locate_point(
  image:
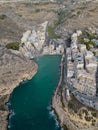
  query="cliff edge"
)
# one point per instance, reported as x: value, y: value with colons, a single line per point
x: 14, y: 69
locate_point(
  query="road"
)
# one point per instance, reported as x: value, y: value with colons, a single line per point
x: 74, y: 90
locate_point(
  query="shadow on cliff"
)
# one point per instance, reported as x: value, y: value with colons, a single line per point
x: 96, y: 77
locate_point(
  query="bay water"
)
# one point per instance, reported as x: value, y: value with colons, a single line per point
x: 30, y: 102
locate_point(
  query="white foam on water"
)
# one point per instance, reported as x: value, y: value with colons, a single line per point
x: 12, y: 114
x: 62, y: 129
x: 9, y: 126
x: 8, y: 104
x: 52, y: 115
x: 56, y: 124
x: 49, y: 107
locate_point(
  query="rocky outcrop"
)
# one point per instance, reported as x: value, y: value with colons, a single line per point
x: 14, y: 69
x: 66, y: 117
x: 61, y: 114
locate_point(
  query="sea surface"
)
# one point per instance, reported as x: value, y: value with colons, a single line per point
x: 30, y: 102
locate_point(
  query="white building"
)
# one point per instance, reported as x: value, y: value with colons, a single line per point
x: 70, y: 72
x: 74, y: 38
x: 88, y: 54
x: 69, y: 58
x: 26, y: 35
x: 68, y: 51
x: 79, y: 64
x: 79, y: 32
x: 91, y: 64
x: 79, y: 61
x: 86, y: 83
x: 82, y: 48
x: 74, y: 45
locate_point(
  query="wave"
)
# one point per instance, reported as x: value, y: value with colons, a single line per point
x: 8, y: 104
x: 52, y: 115
x: 9, y: 126
x: 12, y: 114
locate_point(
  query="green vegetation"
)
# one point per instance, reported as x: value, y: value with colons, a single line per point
x: 89, y: 40
x: 78, y: 12
x: 13, y: 45
x: 85, y: 111
x: 74, y: 104
x: 2, y: 16
x: 20, y: 15
x: 70, y: 104
x: 61, y: 16
x: 37, y: 10
x: 51, y: 28
x: 93, y: 122
x: 94, y: 114
x: 88, y: 35
x: 90, y: 43
x: 91, y: 36
x: 88, y: 118
x: 52, y: 33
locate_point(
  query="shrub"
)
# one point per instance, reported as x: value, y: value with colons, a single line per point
x: 85, y: 111
x: 87, y: 118
x: 91, y: 36
x: 37, y: 10
x: 70, y: 105
x: 94, y: 114
x: 51, y: 29
x: 20, y: 15
x: 88, y: 36
x: 91, y: 43
x: 93, y: 122
x: 78, y: 12
x: 13, y: 45
x: 3, y: 16
x: 51, y: 32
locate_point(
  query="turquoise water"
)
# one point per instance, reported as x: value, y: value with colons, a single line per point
x: 30, y: 102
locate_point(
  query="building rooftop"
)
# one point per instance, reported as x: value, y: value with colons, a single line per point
x: 88, y: 54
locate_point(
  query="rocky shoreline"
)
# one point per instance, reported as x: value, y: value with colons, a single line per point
x: 60, y: 108
x: 63, y: 116
x: 16, y: 70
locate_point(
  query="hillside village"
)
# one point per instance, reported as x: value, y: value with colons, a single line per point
x: 82, y: 71
x: 33, y: 43
x: 81, y: 62
x: 18, y: 25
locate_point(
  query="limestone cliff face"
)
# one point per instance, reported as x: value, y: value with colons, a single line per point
x: 14, y: 69
x: 64, y: 118
x: 62, y: 115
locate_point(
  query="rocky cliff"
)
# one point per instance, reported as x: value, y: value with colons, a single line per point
x: 66, y: 119
x: 14, y: 69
